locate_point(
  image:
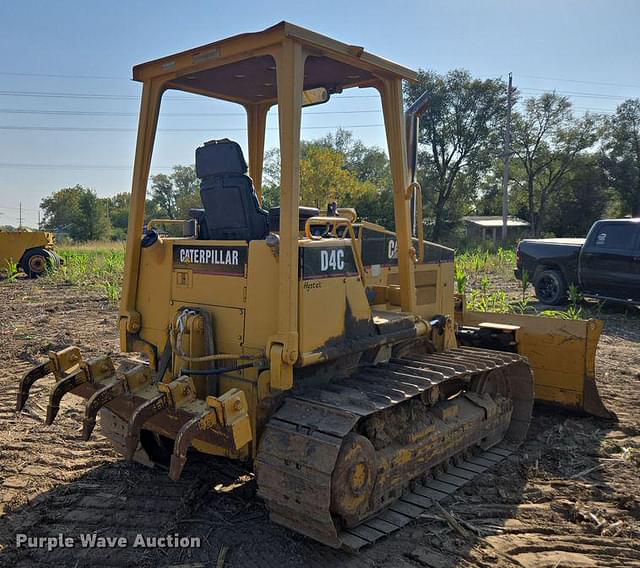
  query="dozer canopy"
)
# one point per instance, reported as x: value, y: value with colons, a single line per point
x: 287, y: 66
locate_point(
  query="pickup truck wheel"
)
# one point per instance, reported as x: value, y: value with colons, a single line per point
x: 551, y: 287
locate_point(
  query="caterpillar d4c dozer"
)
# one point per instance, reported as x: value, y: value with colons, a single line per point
x: 284, y: 339
x: 30, y: 251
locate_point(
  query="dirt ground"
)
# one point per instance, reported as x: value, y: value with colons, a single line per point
x: 571, y: 497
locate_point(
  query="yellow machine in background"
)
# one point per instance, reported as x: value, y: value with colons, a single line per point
x: 31, y: 251
x: 284, y: 338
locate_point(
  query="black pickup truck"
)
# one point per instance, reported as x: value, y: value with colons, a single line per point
x: 604, y: 265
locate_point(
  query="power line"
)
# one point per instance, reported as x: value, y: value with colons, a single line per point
x: 577, y: 93
x: 172, y: 114
x: 25, y: 166
x: 123, y: 78
x: 99, y: 96
x: 580, y: 81
x: 30, y: 166
x: 18, y: 208
x: 60, y: 76
x: 50, y: 94
x: 110, y: 129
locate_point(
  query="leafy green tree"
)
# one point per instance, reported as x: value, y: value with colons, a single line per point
x: 369, y: 163
x: 119, y: 210
x: 78, y: 211
x: 187, y: 188
x: 584, y: 197
x: 337, y: 168
x: 547, y: 142
x: 164, y: 195
x: 324, y: 178
x: 174, y: 194
x: 62, y: 208
x: 488, y: 200
x: 93, y: 223
x: 622, y: 154
x: 459, y: 134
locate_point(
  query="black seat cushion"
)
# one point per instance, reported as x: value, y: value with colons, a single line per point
x: 304, y: 213
x: 231, y: 208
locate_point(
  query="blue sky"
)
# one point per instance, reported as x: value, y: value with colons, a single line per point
x: 587, y: 49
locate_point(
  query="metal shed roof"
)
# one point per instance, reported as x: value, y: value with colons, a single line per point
x: 494, y: 221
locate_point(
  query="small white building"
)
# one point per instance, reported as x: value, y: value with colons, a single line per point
x: 481, y: 228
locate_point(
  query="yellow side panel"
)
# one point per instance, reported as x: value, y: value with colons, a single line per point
x: 434, y: 288
x: 425, y: 295
x: 262, y: 295
x: 154, y: 292
x: 446, y: 299
x: 323, y: 307
x: 208, y: 289
x: 198, y: 286
x: 228, y: 327
x: 154, y: 284
x: 357, y: 299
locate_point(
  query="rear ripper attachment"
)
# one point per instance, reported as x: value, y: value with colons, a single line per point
x: 353, y: 461
x: 132, y: 402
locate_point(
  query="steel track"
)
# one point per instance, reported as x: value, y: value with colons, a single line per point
x: 300, y: 446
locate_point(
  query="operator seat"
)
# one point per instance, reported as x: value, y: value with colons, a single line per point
x: 231, y: 208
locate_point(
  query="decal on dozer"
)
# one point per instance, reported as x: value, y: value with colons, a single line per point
x: 378, y: 248
x: 224, y: 260
x: 327, y: 262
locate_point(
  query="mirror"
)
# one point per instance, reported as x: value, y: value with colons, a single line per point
x: 315, y: 96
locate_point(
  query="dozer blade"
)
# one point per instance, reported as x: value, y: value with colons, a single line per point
x: 561, y: 353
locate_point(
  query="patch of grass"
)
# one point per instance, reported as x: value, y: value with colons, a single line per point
x: 97, y: 265
x: 479, y: 272
x: 9, y: 271
x: 477, y: 260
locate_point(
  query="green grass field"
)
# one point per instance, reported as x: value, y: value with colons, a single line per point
x: 94, y: 264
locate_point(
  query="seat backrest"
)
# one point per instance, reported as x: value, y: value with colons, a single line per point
x: 231, y: 208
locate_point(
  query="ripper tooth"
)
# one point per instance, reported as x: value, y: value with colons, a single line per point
x: 63, y: 387
x: 96, y: 402
x: 182, y: 443
x: 28, y: 380
x: 141, y: 414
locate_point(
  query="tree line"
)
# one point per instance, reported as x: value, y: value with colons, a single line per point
x: 567, y: 170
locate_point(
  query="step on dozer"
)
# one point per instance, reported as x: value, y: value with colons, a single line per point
x: 321, y: 350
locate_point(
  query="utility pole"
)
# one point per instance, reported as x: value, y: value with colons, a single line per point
x: 20, y: 218
x: 39, y: 223
x: 507, y: 161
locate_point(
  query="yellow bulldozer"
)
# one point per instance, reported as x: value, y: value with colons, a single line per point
x: 32, y: 252
x: 330, y: 354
